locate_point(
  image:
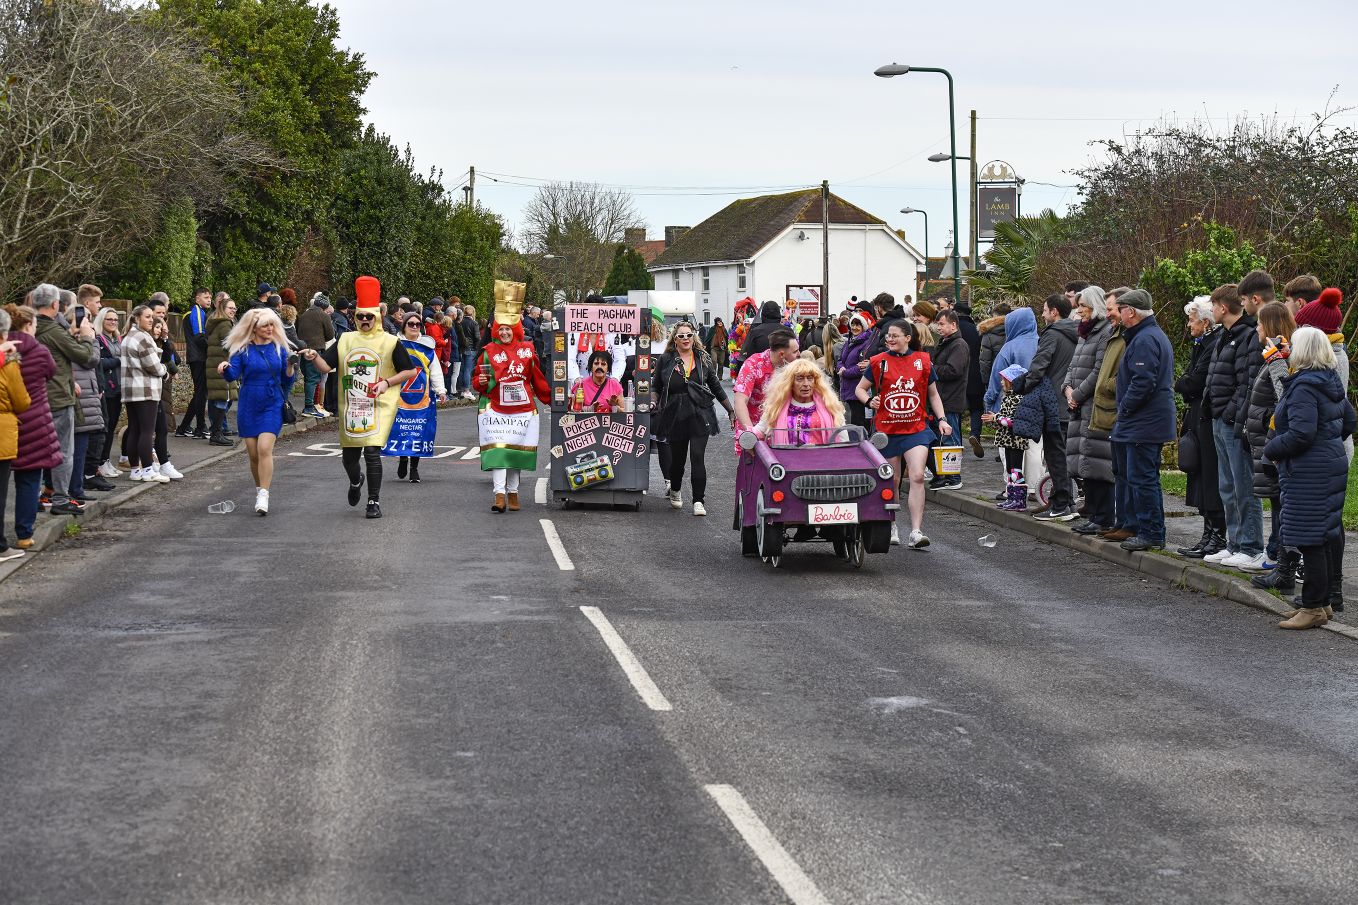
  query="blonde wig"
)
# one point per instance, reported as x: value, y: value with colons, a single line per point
x: 780, y: 391
x: 243, y: 333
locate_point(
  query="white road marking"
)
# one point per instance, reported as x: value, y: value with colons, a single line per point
x: 636, y: 674
x: 540, y: 493
x: 798, y: 886
x: 563, y: 559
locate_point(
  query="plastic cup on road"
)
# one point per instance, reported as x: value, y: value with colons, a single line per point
x: 986, y: 540
x: 222, y: 508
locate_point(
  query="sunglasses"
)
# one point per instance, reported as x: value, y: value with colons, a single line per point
x: 683, y: 336
x: 365, y: 317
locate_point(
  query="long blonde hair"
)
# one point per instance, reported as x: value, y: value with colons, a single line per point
x: 243, y: 333
x: 780, y: 391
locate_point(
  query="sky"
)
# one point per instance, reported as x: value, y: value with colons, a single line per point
x: 692, y: 105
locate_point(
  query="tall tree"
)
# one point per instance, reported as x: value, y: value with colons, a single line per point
x: 109, y: 117
x: 628, y: 272
x: 578, y: 223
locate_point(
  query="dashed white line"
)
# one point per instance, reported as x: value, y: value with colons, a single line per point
x: 798, y: 886
x: 540, y: 492
x: 636, y: 674
x: 563, y: 559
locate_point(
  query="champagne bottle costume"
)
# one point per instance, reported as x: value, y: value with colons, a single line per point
x: 508, y: 418
x: 362, y: 357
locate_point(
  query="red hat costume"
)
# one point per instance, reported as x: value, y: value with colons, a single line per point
x: 368, y: 292
x: 1323, y: 313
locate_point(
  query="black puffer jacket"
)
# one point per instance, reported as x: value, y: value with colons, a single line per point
x: 975, y: 385
x: 1055, y: 350
x: 1263, y: 399
x: 1236, y: 360
x: 757, y: 340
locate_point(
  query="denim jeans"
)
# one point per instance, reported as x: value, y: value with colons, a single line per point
x: 311, y: 378
x: 63, y: 421
x: 27, y: 484
x: 1235, y: 480
x: 80, y: 448
x: 1141, y: 474
x: 464, y: 380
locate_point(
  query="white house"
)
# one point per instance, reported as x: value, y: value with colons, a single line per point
x: 767, y: 247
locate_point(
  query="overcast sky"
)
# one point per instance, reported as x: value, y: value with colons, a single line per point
x: 698, y: 103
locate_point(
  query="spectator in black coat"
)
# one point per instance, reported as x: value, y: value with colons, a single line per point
x: 966, y: 326
x: 887, y: 312
x: 1055, y: 349
x: 1203, y: 493
x: 757, y: 340
x: 952, y: 365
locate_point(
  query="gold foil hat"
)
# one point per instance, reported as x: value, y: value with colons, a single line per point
x: 508, y: 302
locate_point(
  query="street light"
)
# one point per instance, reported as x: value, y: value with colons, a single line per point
x: 911, y: 210
x: 892, y: 70
x: 940, y: 157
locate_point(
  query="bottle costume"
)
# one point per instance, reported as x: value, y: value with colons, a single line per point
x: 508, y: 378
x: 416, y: 421
x: 363, y: 357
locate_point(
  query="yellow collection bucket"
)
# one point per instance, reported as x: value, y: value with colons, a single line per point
x: 947, y: 461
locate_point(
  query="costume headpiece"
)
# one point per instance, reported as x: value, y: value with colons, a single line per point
x: 368, y: 291
x: 508, y: 302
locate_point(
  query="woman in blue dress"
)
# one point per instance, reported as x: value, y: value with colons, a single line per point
x: 258, y: 356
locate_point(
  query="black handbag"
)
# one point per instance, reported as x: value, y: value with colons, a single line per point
x: 1190, y: 455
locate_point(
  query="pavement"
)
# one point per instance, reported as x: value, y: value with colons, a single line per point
x: 984, y: 477
x: 598, y: 706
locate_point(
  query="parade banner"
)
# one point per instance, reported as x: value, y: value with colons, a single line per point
x: 412, y: 433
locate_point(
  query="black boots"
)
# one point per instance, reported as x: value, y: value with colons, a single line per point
x: 401, y: 466
x: 1212, y: 541
x: 414, y: 470
x: 1283, y: 577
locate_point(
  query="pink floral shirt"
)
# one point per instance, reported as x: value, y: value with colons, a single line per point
x: 753, y: 381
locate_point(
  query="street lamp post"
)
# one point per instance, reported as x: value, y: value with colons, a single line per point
x: 894, y: 69
x: 911, y: 210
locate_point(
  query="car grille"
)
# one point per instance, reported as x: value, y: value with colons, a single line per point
x: 832, y: 488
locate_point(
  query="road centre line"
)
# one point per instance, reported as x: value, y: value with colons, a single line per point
x: 636, y: 674
x: 540, y: 492
x: 563, y: 559
x: 789, y: 874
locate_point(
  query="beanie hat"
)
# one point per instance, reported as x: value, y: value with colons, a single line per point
x: 925, y: 309
x: 1139, y: 300
x: 368, y: 291
x: 1323, y: 313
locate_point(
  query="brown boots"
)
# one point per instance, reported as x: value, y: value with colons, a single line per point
x: 501, y: 503
x: 1307, y: 618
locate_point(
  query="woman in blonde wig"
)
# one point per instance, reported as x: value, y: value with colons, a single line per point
x: 257, y: 355
x: 800, y: 405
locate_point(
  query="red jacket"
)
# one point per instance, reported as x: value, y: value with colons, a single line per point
x: 517, y: 361
x: 38, y: 444
x: 436, y: 332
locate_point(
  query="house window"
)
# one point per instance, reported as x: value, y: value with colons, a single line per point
x: 707, y: 282
x: 675, y: 273
x: 740, y: 276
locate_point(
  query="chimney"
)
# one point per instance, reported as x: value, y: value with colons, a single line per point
x: 634, y: 236
x: 672, y: 234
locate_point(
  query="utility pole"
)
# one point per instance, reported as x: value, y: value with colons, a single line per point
x: 471, y: 185
x: 975, y: 242
x: 825, y: 247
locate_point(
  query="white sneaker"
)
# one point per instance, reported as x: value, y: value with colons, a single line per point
x: 699, y: 509
x: 11, y: 553
x: 675, y: 498
x: 152, y: 475
x: 918, y: 541
x: 1245, y: 562
x: 895, y: 536
x: 169, y: 471
x: 108, y: 471
x: 1218, y: 558
x: 261, y: 501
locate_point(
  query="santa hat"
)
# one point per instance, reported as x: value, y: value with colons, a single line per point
x: 368, y: 291
x: 863, y: 319
x: 1323, y: 313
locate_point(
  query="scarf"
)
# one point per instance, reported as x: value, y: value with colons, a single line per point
x: 799, y: 421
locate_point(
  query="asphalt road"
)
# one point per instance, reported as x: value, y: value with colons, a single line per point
x: 316, y: 708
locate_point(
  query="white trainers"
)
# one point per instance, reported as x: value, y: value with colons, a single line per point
x: 1245, y: 562
x: 150, y: 475
x: 917, y: 540
x: 675, y: 498
x: 895, y: 536
x: 699, y: 509
x: 1218, y: 557
x: 169, y: 471
x: 108, y: 471
x: 261, y: 501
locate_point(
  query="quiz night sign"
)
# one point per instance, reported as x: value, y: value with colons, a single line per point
x: 602, y: 319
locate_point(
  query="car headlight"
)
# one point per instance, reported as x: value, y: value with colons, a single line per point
x: 885, y: 471
x: 777, y: 472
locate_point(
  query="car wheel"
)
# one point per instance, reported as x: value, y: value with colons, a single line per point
x: 857, y: 547
x: 749, y: 538
x: 770, y: 534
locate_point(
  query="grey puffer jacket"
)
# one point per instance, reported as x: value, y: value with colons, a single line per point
x: 89, y: 406
x: 1089, y: 453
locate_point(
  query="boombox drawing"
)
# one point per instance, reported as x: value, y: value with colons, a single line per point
x: 589, y: 468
